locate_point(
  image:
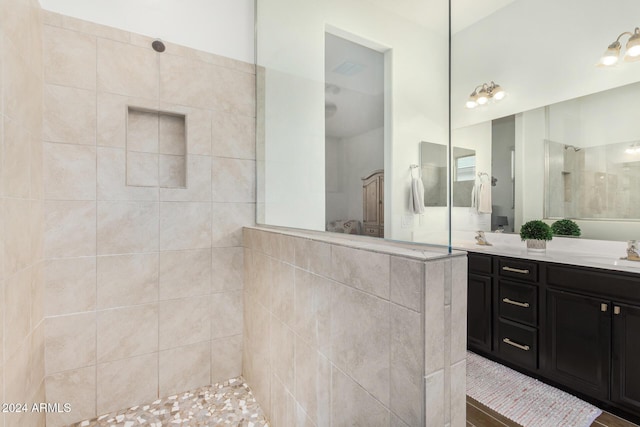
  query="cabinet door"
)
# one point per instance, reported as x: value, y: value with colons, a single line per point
x: 579, y: 334
x: 479, y: 313
x: 625, y: 381
x: 370, y: 201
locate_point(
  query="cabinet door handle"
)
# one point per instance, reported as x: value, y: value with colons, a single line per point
x: 515, y: 270
x: 519, y: 304
x: 604, y: 307
x: 515, y: 344
x: 616, y: 309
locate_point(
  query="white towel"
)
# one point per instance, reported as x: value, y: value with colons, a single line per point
x: 484, y: 198
x: 417, y: 196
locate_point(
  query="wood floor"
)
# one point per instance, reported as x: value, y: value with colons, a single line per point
x: 479, y: 415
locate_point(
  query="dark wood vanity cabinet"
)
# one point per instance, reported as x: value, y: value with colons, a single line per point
x: 574, y: 327
x: 479, y: 293
x: 579, y: 336
x: 625, y: 378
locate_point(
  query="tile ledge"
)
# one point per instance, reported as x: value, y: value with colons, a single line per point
x: 398, y: 248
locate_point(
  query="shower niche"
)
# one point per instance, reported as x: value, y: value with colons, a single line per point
x: 156, y: 149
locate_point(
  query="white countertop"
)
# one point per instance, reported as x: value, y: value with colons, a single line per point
x: 572, y: 251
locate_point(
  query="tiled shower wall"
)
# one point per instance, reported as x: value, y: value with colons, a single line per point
x: 143, y: 284
x: 21, y: 318
x: 340, y: 332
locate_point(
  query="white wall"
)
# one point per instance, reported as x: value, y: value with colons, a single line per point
x: 223, y: 27
x: 291, y: 35
x: 541, y: 52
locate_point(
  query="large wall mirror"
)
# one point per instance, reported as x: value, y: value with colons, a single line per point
x: 562, y: 142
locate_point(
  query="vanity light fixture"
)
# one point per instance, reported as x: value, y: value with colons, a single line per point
x: 632, y: 53
x: 483, y: 93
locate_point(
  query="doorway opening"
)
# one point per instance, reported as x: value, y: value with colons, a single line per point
x: 354, y: 137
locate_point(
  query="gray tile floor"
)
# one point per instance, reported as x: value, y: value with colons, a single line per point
x: 224, y: 404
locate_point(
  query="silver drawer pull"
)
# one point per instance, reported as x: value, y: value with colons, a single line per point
x: 515, y: 344
x: 515, y: 270
x: 519, y: 304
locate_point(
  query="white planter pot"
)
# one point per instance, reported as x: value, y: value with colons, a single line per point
x: 534, y: 245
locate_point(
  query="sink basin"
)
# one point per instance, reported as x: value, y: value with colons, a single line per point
x: 610, y: 261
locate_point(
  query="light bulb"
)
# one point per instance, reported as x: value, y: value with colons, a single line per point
x: 611, y: 55
x: 483, y: 97
x: 637, y: 150
x: 630, y: 150
x: 499, y: 94
x: 633, y: 47
x: 471, y: 103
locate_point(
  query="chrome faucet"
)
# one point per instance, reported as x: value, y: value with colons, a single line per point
x: 481, y: 239
x: 632, y: 251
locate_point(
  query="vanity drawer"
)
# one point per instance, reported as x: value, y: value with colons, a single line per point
x: 518, y: 269
x: 518, y: 344
x: 519, y: 302
x: 480, y: 263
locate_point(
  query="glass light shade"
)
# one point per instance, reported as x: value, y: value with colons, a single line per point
x: 611, y: 55
x: 630, y: 150
x: 633, y: 48
x: 498, y: 93
x: 637, y: 150
x: 471, y: 103
x: 483, y: 97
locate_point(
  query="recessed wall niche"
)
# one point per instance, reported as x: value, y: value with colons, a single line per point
x: 156, y: 149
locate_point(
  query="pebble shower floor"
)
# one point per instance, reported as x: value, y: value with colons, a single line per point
x: 230, y: 403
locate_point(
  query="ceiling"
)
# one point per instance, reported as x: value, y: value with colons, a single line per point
x: 354, y: 83
x: 432, y: 13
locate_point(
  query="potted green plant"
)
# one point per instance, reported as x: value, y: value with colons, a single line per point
x: 536, y: 233
x: 565, y: 227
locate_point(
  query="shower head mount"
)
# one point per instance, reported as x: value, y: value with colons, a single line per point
x: 158, y: 45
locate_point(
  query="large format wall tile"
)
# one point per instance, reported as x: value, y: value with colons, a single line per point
x: 69, y: 229
x: 185, y: 225
x: 127, y: 382
x: 69, y: 172
x: 69, y: 58
x: 313, y: 383
x: 359, y: 357
x: 352, y: 405
x: 69, y: 115
x: 117, y: 339
x: 185, y: 273
x: 233, y: 136
x: 70, y: 342
x: 186, y: 81
x: 360, y: 339
x: 127, y: 70
x: 117, y: 253
x: 125, y: 227
x: 312, y: 310
x: 226, y: 358
x: 69, y: 285
x: 407, y: 360
x: 76, y: 387
x: 226, y: 314
x: 233, y: 180
x: 184, y: 321
x: 185, y: 368
x: 367, y: 271
x: 16, y: 161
